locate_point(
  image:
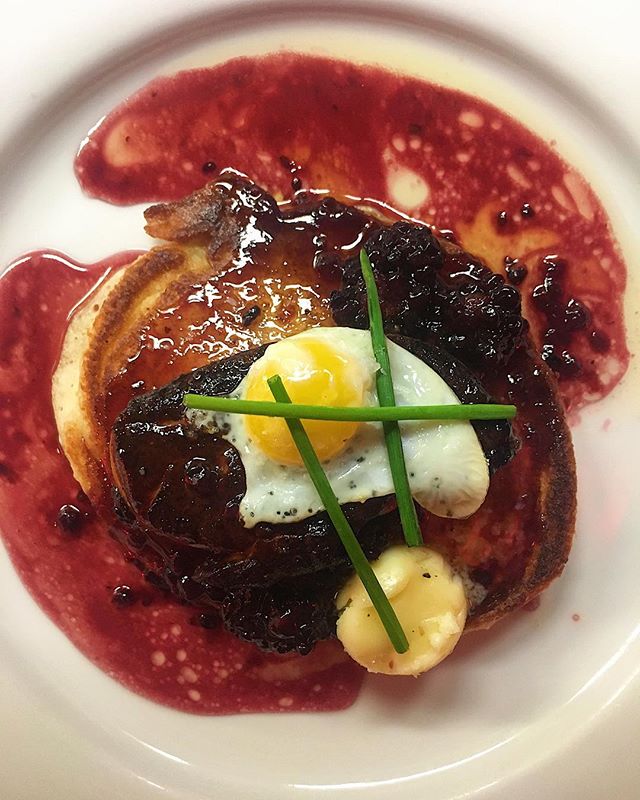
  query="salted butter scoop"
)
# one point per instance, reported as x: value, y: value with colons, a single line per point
x: 428, y: 599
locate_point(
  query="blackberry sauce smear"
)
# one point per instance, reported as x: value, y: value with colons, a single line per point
x: 292, y: 123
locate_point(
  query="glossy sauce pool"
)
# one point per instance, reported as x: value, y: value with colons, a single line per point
x: 289, y: 122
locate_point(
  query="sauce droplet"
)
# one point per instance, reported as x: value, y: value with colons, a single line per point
x: 123, y: 596
x: 70, y: 519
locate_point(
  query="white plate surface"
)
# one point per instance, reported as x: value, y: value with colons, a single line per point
x: 540, y: 704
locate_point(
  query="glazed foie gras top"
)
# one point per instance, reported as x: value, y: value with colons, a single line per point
x: 179, y: 488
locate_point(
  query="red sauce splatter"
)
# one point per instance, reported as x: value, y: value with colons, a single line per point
x: 288, y: 121
x: 77, y: 572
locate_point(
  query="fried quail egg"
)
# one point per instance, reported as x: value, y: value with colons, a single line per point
x: 447, y: 468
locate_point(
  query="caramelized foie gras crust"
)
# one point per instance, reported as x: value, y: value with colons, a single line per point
x: 512, y: 547
x: 183, y: 485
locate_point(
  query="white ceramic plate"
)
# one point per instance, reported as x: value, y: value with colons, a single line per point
x: 540, y: 704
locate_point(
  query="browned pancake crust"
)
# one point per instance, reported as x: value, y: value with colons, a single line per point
x: 556, y: 489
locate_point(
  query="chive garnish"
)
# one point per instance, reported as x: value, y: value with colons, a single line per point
x: 386, y: 397
x: 266, y: 408
x: 332, y: 506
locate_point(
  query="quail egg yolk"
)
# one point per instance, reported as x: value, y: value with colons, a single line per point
x: 315, y: 373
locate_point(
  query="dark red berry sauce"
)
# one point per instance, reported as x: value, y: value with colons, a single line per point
x: 290, y: 122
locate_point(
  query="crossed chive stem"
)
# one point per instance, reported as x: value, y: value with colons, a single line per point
x: 267, y: 408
